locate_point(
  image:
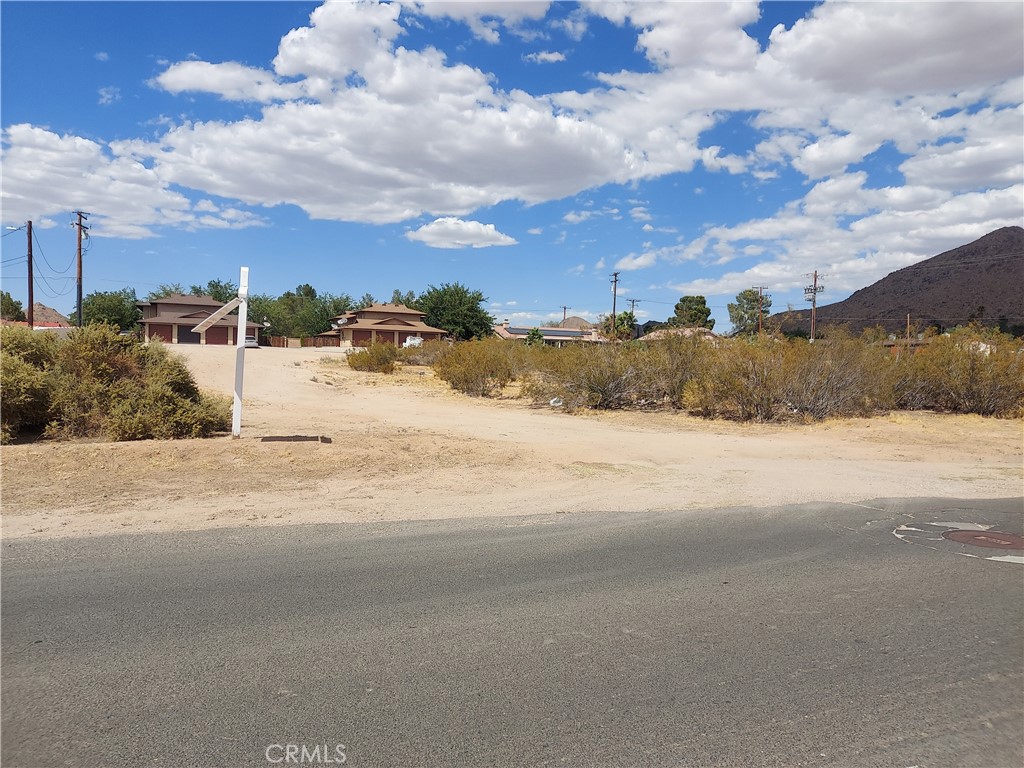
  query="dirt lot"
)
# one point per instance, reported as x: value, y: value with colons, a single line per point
x: 405, y: 447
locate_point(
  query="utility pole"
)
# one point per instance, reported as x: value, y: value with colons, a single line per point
x: 760, y: 304
x: 80, y: 228
x: 31, y: 299
x: 811, y: 294
x: 564, y: 310
x: 908, y: 330
x: 632, y: 311
x: 615, y: 293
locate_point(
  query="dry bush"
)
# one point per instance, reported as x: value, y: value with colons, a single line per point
x: 97, y: 384
x: 425, y: 354
x: 743, y: 380
x: 481, y: 368
x: 609, y: 376
x: 376, y: 358
x: 671, y: 363
x: 966, y: 371
x: 836, y: 376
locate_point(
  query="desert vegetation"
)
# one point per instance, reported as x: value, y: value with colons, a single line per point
x: 762, y: 378
x: 98, y: 384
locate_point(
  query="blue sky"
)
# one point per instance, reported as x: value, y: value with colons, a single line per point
x: 525, y: 149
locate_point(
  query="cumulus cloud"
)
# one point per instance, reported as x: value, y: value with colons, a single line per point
x: 636, y: 261
x: 101, y: 56
x: 354, y: 126
x: 544, y: 57
x: 449, y: 232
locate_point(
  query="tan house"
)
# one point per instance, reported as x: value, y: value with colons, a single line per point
x: 172, y: 318
x: 382, y: 324
x: 554, y: 336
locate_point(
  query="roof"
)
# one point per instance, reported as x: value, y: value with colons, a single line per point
x: 389, y: 309
x: 181, y: 298
x: 547, y: 332
x: 192, y: 319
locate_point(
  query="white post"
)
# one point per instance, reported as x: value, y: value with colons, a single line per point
x: 243, y: 316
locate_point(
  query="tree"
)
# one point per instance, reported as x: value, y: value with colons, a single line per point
x: 534, y: 338
x: 692, y: 311
x: 10, y: 307
x: 112, y: 307
x: 164, y: 290
x: 221, y: 290
x: 408, y: 298
x: 624, y: 328
x: 299, y: 313
x: 456, y: 309
x: 749, y: 307
x: 365, y: 301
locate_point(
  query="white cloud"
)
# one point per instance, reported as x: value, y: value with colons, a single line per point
x: 486, y: 17
x: 634, y: 261
x: 449, y: 232
x: 46, y: 174
x: 109, y: 95
x: 640, y: 213
x: 101, y: 56
x: 535, y: 231
x: 544, y: 57
x: 229, y: 80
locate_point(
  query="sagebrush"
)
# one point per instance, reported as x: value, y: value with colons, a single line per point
x: 765, y: 378
x: 98, y: 384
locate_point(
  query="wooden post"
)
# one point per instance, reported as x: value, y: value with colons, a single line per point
x: 243, y: 316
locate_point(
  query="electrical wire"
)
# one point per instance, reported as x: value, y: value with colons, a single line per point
x: 39, y: 247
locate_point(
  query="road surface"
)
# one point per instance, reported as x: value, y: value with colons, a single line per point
x: 796, y: 636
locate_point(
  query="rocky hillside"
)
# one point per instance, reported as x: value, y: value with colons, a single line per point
x: 983, y: 280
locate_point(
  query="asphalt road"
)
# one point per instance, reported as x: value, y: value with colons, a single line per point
x: 792, y: 636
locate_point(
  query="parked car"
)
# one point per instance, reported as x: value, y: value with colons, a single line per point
x: 251, y: 342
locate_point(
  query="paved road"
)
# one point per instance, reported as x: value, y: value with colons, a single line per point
x: 796, y: 636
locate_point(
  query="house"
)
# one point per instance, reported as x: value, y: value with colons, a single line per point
x: 172, y: 318
x: 554, y: 336
x: 382, y: 324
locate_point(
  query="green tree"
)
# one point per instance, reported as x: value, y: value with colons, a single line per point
x: 456, y: 309
x: 10, y: 307
x: 164, y: 290
x: 221, y: 290
x: 534, y: 338
x: 749, y: 307
x: 299, y: 313
x: 112, y: 307
x: 408, y: 298
x: 692, y: 311
x: 366, y: 300
x: 623, y: 329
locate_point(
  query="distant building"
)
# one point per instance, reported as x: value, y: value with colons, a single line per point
x: 382, y: 323
x: 552, y: 335
x: 172, y: 318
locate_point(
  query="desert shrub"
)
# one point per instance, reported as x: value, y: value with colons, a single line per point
x: 604, y: 377
x: 673, y: 362
x: 25, y: 401
x: 836, y: 376
x: 376, y: 358
x: 97, y: 384
x: 425, y: 354
x: 743, y: 381
x: 36, y: 348
x: 482, y: 368
x: 967, y: 371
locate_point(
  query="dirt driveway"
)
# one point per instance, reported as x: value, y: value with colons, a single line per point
x: 405, y: 447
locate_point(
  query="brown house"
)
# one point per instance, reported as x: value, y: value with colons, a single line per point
x: 382, y: 323
x: 172, y: 318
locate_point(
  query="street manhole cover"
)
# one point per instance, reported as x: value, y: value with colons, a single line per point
x: 965, y: 538
x: 990, y: 539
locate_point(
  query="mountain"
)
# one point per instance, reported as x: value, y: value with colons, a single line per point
x: 983, y: 280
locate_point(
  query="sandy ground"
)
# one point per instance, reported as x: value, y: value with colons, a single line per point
x: 406, y: 447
